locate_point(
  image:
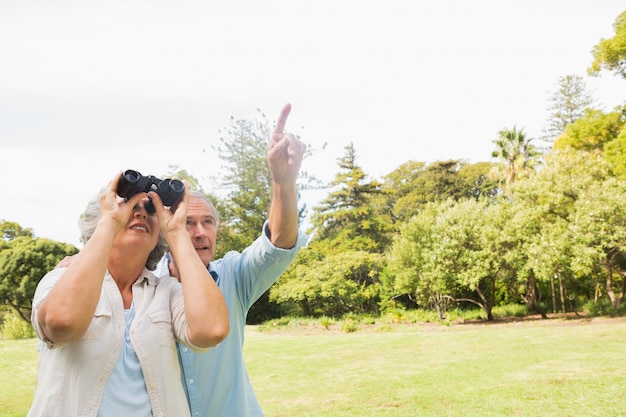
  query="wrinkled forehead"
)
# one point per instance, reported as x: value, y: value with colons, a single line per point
x: 199, y: 208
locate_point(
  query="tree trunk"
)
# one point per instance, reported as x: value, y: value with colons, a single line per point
x: 562, y: 292
x: 553, y: 293
x: 532, y: 297
x: 609, y: 285
x: 487, y: 306
x: 623, y: 290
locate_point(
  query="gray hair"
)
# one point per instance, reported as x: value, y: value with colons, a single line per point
x: 202, y: 196
x: 89, y: 220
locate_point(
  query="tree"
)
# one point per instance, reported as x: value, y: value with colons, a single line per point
x: 441, y: 181
x: 347, y: 217
x: 615, y: 153
x: 545, y: 212
x: 569, y: 102
x: 23, y: 262
x: 183, y: 175
x: 340, y: 269
x: 332, y: 284
x: 451, y: 249
x: 246, y: 176
x: 414, y: 184
x: 610, y: 53
x: 11, y: 230
x: 516, y: 154
x: 399, y: 199
x: 414, y: 259
x: 477, y: 183
x: 599, y: 228
x: 591, y: 132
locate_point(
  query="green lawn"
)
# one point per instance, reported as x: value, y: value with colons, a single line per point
x: 552, y: 368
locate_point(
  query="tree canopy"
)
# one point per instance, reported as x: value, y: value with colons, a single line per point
x: 610, y: 54
x: 23, y: 263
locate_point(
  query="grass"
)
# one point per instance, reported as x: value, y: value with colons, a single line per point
x: 544, y: 368
x: 18, y: 368
x: 554, y: 368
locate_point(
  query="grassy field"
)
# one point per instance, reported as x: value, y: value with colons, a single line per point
x: 549, y: 368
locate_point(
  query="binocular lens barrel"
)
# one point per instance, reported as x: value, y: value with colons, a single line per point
x: 131, y: 176
x: 132, y: 182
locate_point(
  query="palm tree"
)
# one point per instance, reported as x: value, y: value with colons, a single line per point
x: 515, y: 153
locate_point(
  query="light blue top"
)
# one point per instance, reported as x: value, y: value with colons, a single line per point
x: 216, y: 382
x: 125, y: 393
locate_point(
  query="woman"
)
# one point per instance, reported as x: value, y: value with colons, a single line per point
x: 108, y: 326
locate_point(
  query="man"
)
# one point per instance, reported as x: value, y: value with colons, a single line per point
x: 217, y: 382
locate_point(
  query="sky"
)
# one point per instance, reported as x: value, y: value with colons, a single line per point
x: 89, y: 89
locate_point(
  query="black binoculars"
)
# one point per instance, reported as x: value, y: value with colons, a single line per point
x: 132, y: 182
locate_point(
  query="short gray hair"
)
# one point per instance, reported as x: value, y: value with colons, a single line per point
x: 89, y: 220
x: 202, y: 196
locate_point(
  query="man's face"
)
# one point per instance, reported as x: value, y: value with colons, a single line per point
x: 201, y: 228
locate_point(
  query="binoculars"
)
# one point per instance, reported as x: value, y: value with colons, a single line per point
x: 132, y: 182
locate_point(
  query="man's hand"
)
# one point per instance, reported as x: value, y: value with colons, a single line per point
x: 65, y: 262
x: 285, y: 151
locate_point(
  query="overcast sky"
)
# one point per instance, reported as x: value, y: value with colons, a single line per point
x: 88, y: 89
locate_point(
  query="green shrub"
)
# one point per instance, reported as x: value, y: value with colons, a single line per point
x: 15, y: 327
x: 604, y: 307
x: 326, y: 322
x: 510, y: 310
x: 349, y: 326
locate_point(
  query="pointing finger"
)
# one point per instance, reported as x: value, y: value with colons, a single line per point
x: 282, y: 119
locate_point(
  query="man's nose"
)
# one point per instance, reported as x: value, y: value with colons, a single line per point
x: 198, y: 230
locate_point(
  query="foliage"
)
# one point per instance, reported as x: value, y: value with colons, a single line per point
x: 451, y: 249
x: 610, y: 53
x: 346, y: 219
x: 615, y: 153
x: 14, y: 327
x: 22, y: 265
x: 246, y: 175
x: 183, y: 175
x: 11, y: 230
x: 568, y: 104
x: 477, y: 182
x: 415, y: 184
x: 516, y: 154
x: 603, y: 306
x: 599, y: 230
x: 591, y: 132
x: 331, y: 284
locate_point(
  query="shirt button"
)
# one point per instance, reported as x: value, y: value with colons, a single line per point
x: 191, y: 381
x: 185, y: 349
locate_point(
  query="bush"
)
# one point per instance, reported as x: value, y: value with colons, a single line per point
x: 604, y: 307
x: 15, y: 327
x: 510, y: 310
x: 349, y: 326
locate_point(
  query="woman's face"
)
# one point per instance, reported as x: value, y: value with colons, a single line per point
x: 142, y: 228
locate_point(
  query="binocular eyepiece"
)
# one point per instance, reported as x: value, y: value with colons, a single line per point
x: 132, y: 182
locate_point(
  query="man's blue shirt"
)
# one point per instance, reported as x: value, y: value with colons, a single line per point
x: 217, y: 382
